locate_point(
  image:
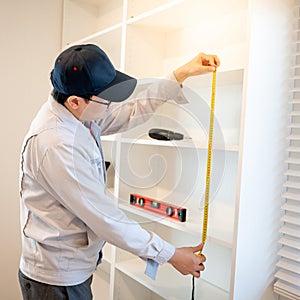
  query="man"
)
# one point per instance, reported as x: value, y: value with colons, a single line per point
x: 66, y: 217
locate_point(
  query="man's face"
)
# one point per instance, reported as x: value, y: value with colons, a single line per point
x: 95, y: 109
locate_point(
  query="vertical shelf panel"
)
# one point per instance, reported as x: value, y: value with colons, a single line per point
x: 109, y: 152
x: 100, y: 285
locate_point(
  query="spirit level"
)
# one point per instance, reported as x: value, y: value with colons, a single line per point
x: 169, y: 210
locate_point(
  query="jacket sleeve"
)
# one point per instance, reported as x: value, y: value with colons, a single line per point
x: 73, y: 184
x: 147, y: 97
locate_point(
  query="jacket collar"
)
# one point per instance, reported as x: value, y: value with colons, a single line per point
x: 51, y: 115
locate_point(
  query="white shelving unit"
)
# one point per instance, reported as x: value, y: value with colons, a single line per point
x: 149, y: 39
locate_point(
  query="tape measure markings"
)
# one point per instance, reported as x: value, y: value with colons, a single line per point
x: 208, y: 169
x: 209, y: 158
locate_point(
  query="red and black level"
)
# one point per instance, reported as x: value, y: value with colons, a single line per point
x: 163, y: 208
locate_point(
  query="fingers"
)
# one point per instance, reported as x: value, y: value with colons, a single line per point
x: 196, y: 274
x: 197, y: 248
x: 187, y: 261
x: 199, y: 260
x: 217, y: 61
x: 206, y: 69
x: 201, y: 64
x: 199, y: 268
x: 210, y: 60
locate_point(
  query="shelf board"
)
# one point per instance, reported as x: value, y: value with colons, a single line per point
x: 109, y: 138
x: 170, y: 284
x: 97, y: 34
x: 218, y: 234
x: 224, y: 77
x: 186, y: 143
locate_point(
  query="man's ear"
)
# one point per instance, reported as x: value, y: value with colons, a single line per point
x: 73, y: 102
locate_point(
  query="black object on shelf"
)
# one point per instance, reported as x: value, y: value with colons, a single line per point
x: 164, y: 134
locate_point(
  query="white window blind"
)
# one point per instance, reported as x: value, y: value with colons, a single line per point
x: 287, y: 276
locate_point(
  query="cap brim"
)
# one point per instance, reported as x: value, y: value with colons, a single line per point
x: 119, y: 89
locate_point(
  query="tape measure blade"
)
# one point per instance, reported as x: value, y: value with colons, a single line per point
x: 209, y: 158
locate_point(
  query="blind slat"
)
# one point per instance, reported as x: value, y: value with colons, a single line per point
x: 288, y: 276
x: 294, y: 136
x: 289, y: 253
x: 291, y: 220
x: 290, y: 230
x: 291, y: 196
x: 289, y: 265
x: 295, y: 161
x: 294, y: 125
x: 290, y: 207
x: 295, y: 113
x: 288, y: 290
x: 290, y: 241
x: 293, y: 149
x: 292, y: 184
x: 293, y: 173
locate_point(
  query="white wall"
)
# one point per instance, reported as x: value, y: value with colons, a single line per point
x: 30, y: 34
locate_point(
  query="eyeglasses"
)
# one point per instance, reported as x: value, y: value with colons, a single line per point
x: 101, y: 102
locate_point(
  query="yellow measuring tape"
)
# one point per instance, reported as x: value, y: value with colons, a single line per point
x: 208, y: 165
x: 209, y: 156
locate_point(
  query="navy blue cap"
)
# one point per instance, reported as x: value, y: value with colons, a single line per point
x: 87, y: 70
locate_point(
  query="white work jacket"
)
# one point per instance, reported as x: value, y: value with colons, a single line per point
x: 66, y: 217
